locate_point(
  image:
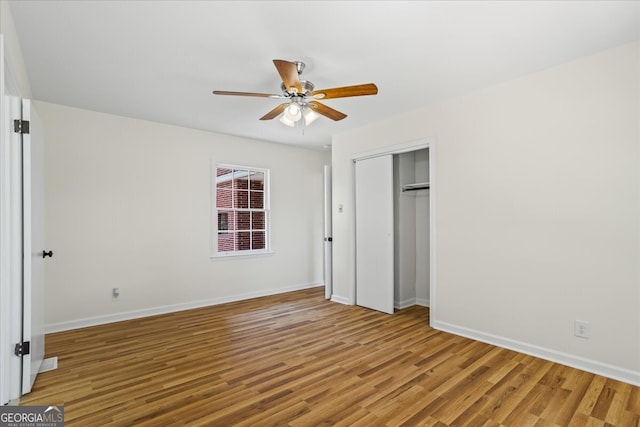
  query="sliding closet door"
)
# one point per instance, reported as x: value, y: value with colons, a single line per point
x: 374, y: 233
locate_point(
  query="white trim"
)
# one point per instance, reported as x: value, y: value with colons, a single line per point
x: 399, y: 305
x: 12, y: 211
x: 146, y: 312
x: 327, y: 244
x: 340, y: 300
x: 5, y: 241
x: 593, y: 366
x: 236, y: 255
x: 423, y: 302
x: 404, y: 147
x: 49, y: 364
x: 433, y: 189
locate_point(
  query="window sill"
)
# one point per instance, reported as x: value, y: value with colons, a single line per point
x: 243, y: 256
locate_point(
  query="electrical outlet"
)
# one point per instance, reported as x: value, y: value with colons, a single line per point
x: 115, y: 294
x: 581, y: 329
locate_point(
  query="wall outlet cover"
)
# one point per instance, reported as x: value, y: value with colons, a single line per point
x: 581, y: 329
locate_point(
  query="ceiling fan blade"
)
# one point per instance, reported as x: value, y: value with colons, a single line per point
x: 327, y: 111
x: 259, y: 95
x: 343, y: 92
x: 289, y: 73
x: 275, y: 112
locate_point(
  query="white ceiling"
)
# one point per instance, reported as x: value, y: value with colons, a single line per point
x: 160, y: 60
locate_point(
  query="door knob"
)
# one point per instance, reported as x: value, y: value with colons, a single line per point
x: 47, y: 254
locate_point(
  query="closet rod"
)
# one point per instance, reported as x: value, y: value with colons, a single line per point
x: 415, y: 187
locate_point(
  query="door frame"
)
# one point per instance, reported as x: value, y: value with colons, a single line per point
x: 5, y: 241
x: 328, y: 233
x: 33, y: 245
x: 430, y: 143
x: 10, y: 233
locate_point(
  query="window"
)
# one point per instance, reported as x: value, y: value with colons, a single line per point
x: 241, y: 210
x: 223, y: 221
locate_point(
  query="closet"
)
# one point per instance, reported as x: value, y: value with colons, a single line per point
x: 411, y: 228
x: 392, y: 209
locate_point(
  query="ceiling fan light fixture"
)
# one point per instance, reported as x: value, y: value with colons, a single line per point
x: 285, y: 121
x: 309, y: 116
x: 293, y: 112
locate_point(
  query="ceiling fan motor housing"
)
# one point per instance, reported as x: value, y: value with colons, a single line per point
x: 307, y: 88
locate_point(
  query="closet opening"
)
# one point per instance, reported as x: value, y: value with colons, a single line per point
x: 394, y: 228
x: 411, y: 228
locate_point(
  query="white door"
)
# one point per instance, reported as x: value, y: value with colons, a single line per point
x: 374, y: 233
x: 10, y: 249
x: 328, y: 239
x: 34, y: 247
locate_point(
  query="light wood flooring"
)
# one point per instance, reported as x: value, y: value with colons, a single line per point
x: 296, y: 359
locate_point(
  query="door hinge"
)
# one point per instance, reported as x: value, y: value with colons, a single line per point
x: 21, y: 126
x: 22, y: 348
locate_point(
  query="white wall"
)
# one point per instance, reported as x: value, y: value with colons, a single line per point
x: 537, y: 210
x: 129, y: 206
x: 13, y: 54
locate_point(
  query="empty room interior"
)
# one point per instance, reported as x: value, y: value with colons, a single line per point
x: 354, y: 213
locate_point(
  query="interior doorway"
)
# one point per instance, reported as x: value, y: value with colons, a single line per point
x: 411, y: 199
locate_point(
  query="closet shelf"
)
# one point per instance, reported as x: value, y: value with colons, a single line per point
x: 415, y: 187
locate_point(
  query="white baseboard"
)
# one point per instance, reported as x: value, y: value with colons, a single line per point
x: 399, y: 305
x: 136, y: 314
x: 341, y: 300
x: 49, y: 364
x: 593, y: 366
x: 411, y: 301
x: 424, y: 302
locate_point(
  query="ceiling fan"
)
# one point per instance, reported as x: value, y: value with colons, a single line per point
x: 302, y: 99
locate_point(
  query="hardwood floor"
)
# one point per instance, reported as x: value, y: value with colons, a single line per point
x: 296, y: 359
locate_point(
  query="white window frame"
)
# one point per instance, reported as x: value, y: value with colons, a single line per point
x: 215, y: 254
